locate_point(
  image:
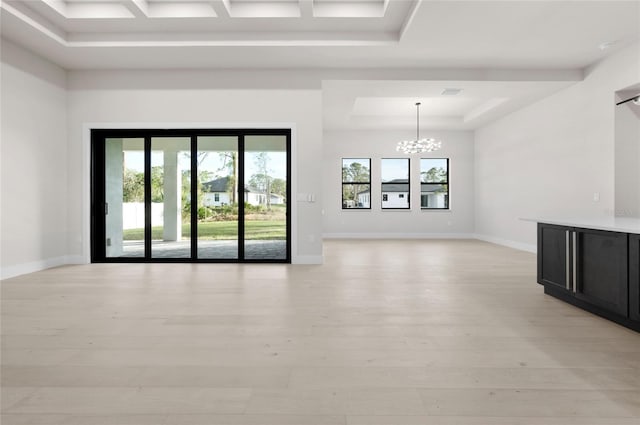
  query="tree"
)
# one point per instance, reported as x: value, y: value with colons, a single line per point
x: 186, y: 195
x: 259, y: 182
x: 262, y: 163
x: 355, y: 173
x: 132, y: 186
x: 434, y: 175
x: 230, y: 165
x: 157, y: 184
x: 279, y: 186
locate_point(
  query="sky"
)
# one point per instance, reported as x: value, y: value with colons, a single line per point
x: 277, y: 162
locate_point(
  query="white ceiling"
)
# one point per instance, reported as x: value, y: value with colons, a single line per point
x: 364, y: 104
x: 531, y: 40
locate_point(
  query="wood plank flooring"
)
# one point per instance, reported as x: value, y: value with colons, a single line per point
x: 389, y: 332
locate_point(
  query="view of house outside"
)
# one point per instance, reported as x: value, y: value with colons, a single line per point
x: 356, y: 183
x: 217, y: 203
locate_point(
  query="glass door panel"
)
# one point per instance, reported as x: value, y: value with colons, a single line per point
x: 124, y: 197
x: 265, y: 197
x: 170, y: 197
x: 217, y: 164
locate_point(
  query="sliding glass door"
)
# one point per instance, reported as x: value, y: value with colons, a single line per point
x: 170, y: 197
x: 218, y: 202
x: 190, y: 195
x: 265, y: 214
x: 123, y: 199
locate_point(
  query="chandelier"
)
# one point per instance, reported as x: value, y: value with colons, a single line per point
x: 418, y: 145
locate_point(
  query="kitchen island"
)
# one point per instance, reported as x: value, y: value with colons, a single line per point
x: 593, y: 264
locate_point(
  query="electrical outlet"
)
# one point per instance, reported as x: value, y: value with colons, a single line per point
x: 108, y: 241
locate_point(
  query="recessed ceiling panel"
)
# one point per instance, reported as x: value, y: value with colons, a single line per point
x: 403, y: 106
x: 171, y: 10
x: 349, y: 8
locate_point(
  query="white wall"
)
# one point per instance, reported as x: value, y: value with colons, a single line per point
x: 33, y: 155
x: 413, y: 223
x: 112, y: 97
x: 550, y: 158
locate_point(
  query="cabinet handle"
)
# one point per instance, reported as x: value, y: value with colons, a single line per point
x: 568, y: 254
x: 575, y: 267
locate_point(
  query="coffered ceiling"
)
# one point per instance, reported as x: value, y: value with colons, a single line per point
x: 374, y: 56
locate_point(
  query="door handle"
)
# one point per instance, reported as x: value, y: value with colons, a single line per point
x: 575, y: 262
x: 568, y: 256
x: 106, y: 208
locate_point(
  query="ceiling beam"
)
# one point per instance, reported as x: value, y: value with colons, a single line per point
x: 385, y: 7
x: 410, y: 16
x: 222, y: 8
x: 306, y: 8
x: 58, y: 6
x: 139, y: 8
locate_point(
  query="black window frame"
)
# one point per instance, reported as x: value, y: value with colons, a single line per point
x: 347, y: 183
x: 447, y: 194
x: 408, y: 207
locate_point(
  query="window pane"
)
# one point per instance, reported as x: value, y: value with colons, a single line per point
x: 434, y: 196
x: 124, y: 196
x: 170, y: 192
x: 356, y: 196
x: 356, y: 170
x: 265, y: 197
x: 395, y: 182
x: 434, y: 170
x: 434, y: 179
x: 217, y: 158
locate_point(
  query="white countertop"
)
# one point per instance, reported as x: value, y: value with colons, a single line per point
x: 613, y: 224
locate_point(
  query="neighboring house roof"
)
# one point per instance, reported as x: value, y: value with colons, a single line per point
x: 431, y: 187
x: 218, y: 185
x: 396, y: 185
x: 221, y: 185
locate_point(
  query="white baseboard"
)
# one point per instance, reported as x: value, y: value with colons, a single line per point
x: 36, y: 266
x: 370, y: 235
x: 77, y: 259
x: 508, y: 243
x: 307, y: 259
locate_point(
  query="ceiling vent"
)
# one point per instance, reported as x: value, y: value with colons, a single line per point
x: 451, y: 92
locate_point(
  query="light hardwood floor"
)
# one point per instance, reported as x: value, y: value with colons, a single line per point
x: 384, y: 333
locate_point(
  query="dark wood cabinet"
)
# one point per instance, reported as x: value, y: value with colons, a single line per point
x: 593, y: 269
x: 601, y: 277
x: 553, y: 255
x: 634, y: 277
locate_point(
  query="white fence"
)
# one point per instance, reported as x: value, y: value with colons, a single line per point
x: 133, y: 215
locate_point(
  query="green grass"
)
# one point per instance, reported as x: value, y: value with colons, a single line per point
x: 220, y: 230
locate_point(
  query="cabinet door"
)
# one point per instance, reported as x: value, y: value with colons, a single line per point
x: 601, y: 269
x: 553, y: 255
x: 634, y: 277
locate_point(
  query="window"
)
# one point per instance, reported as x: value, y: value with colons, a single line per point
x: 434, y: 183
x: 395, y: 183
x: 216, y: 197
x: 356, y: 183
